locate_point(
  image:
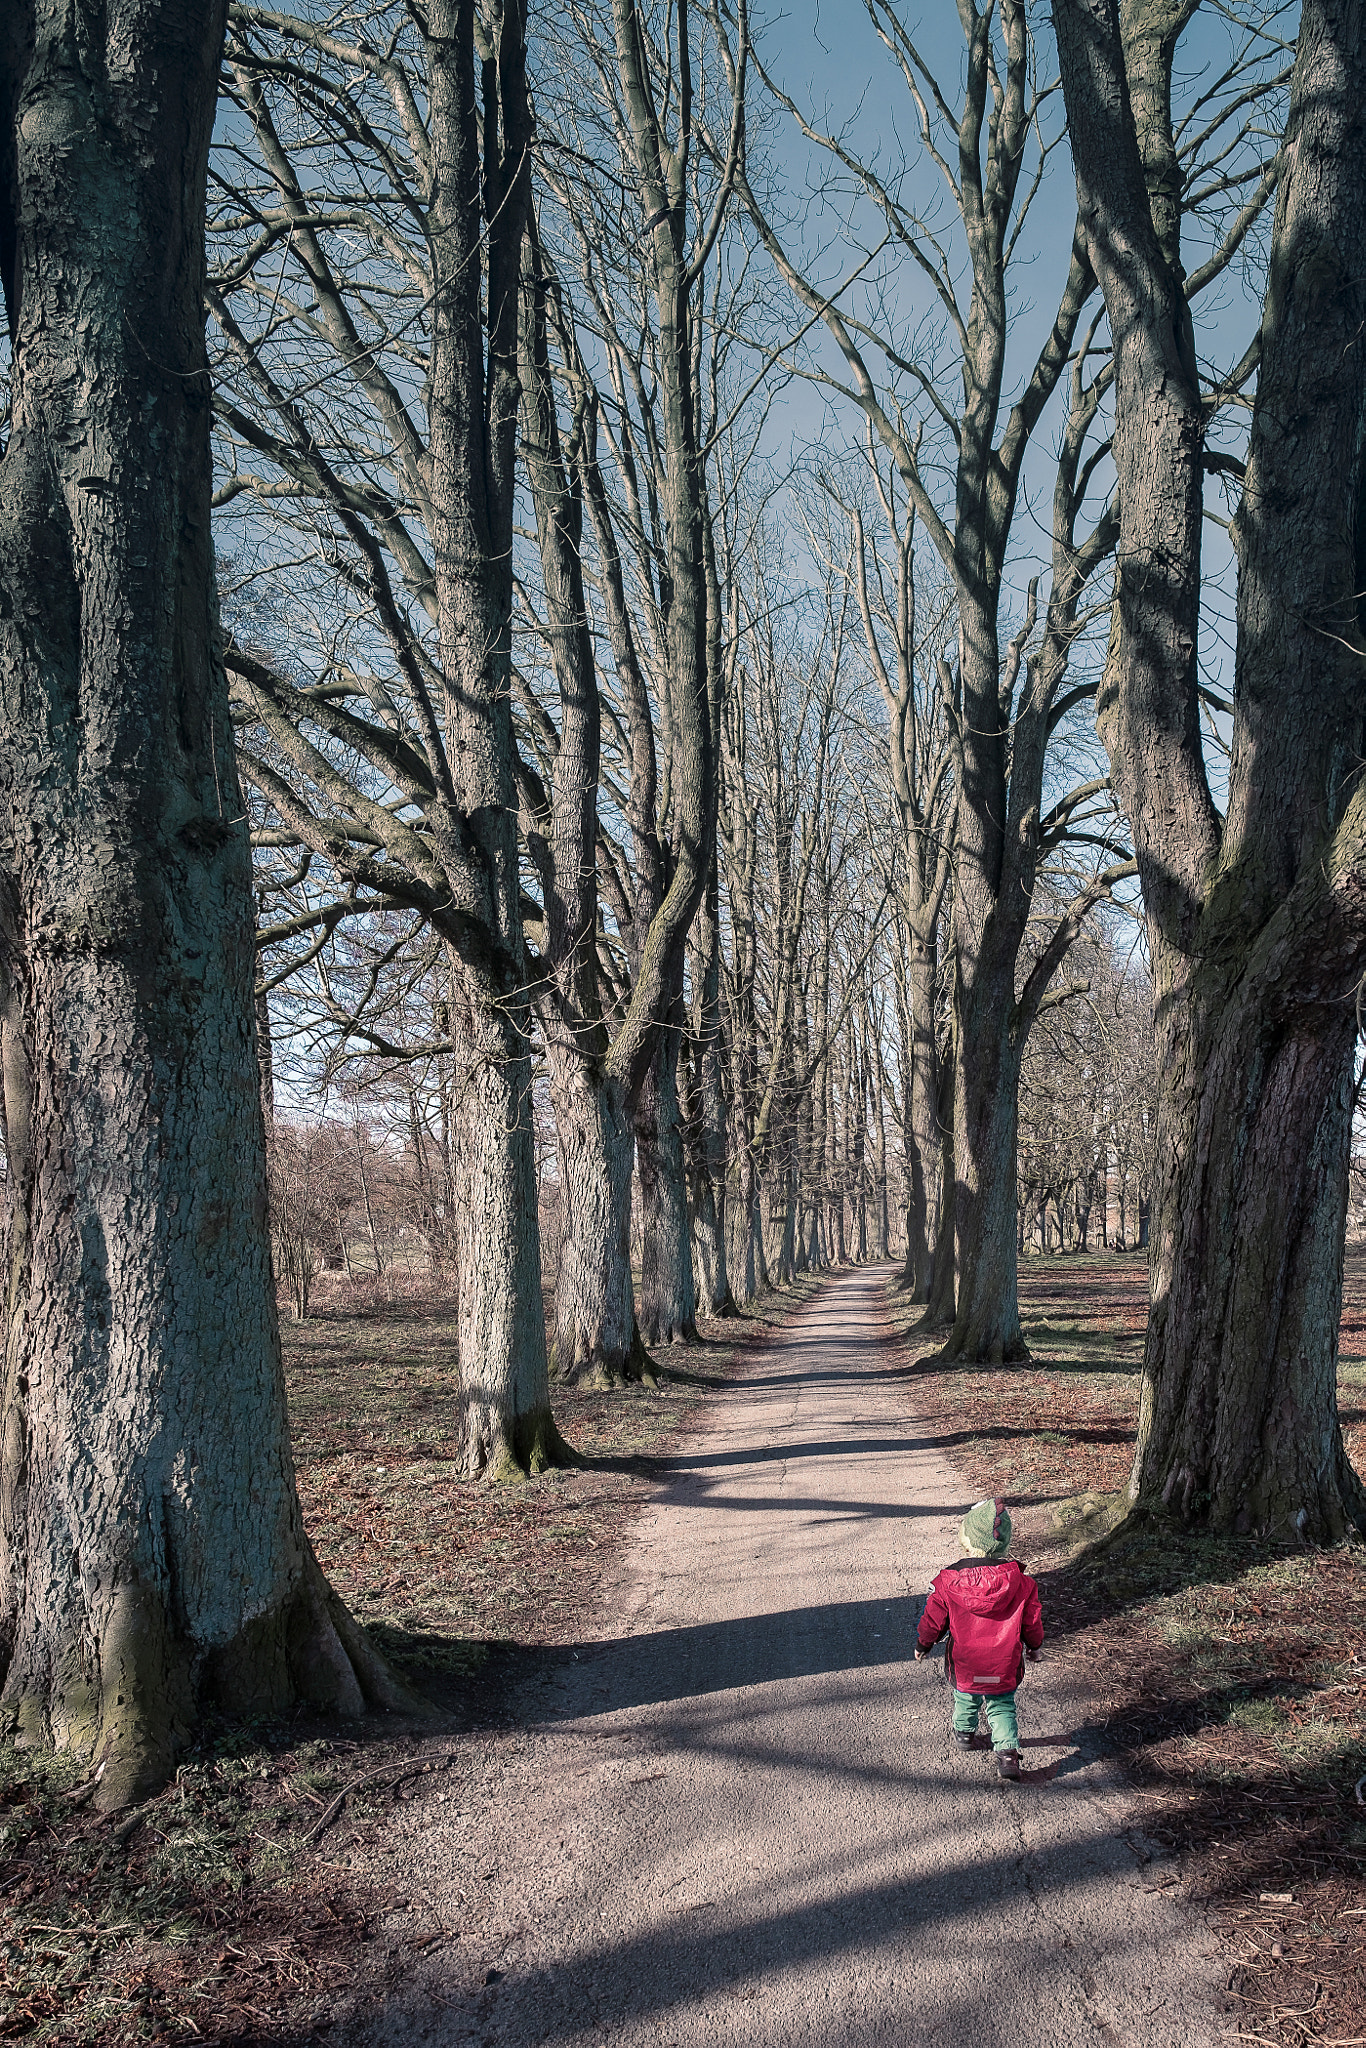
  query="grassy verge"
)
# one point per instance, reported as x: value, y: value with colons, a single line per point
x: 225, y: 1911
x: 1230, y: 1676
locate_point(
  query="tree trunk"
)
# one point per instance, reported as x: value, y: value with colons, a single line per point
x: 987, y: 1324
x: 1253, y: 1155
x: 667, y: 1305
x: 785, y: 1261
x: 507, y: 1429
x: 855, y: 1132
x: 939, y: 1310
x: 265, y: 1052
x: 594, y: 1300
x: 1257, y: 921
x: 473, y: 407
x: 154, y: 1557
x: 709, y: 1180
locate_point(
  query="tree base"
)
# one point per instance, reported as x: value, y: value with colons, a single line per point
x: 136, y: 1717
x: 987, y: 1351
x: 673, y: 1333
x: 595, y: 1373
x: 1339, y: 1516
x: 505, y: 1453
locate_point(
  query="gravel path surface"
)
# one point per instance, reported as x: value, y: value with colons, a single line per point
x: 737, y: 1818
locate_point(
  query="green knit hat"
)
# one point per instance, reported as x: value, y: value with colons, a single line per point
x: 986, y: 1529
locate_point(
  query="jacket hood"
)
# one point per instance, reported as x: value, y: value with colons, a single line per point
x: 987, y: 1588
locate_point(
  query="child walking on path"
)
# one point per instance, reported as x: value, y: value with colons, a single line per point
x: 988, y: 1607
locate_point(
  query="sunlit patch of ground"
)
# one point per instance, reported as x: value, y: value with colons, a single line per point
x: 414, y: 1548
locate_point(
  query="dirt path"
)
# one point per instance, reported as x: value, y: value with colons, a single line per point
x: 737, y: 1817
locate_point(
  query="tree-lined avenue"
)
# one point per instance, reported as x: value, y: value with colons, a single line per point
x: 736, y: 1815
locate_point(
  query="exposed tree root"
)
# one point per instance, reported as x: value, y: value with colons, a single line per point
x: 968, y: 1351
x: 507, y: 1453
x: 594, y: 1373
x: 1143, y: 1522
x: 138, y: 1713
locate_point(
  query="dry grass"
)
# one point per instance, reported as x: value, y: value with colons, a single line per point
x: 1231, y: 1676
x: 212, y: 1914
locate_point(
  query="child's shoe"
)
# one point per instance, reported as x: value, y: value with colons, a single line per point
x: 963, y: 1739
x: 1008, y: 1763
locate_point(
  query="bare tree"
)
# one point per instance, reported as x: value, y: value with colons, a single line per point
x: 1007, y: 706
x: 398, y: 766
x: 907, y: 633
x: 154, y: 1557
x: 1256, y: 920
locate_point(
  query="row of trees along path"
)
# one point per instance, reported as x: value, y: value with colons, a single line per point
x: 733, y: 1812
x: 504, y: 685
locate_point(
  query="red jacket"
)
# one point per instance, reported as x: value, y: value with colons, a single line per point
x: 988, y: 1609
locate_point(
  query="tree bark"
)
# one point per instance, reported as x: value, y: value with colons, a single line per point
x: 666, y: 1307
x: 1257, y: 922
x: 923, y: 1252
x: 473, y: 407
x: 986, y: 1117
x: 595, y: 1316
x: 708, y: 1120
x: 154, y: 1557
x: 594, y: 1298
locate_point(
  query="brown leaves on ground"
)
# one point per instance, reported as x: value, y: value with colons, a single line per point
x: 174, y: 1922
x: 438, y: 1567
x: 1231, y: 1675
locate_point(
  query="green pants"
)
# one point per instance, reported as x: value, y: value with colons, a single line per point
x: 1000, y: 1706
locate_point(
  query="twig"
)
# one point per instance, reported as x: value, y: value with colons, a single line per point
x: 407, y: 1767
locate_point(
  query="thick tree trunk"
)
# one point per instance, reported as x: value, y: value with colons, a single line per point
x: 667, y: 1304
x: 986, y: 1053
x: 153, y: 1553
x: 709, y: 1246
x: 987, y: 1323
x: 506, y: 1425
x: 594, y: 1300
x: 1257, y: 921
x: 1238, y: 1421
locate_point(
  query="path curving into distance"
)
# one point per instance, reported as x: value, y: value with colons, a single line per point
x: 737, y: 1818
